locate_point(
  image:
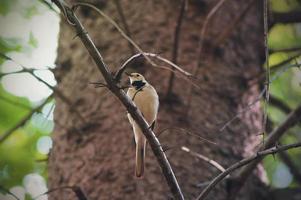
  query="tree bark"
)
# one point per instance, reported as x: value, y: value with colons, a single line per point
x: 99, y: 155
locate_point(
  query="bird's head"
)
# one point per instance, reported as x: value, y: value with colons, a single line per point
x: 137, y: 80
x: 136, y: 77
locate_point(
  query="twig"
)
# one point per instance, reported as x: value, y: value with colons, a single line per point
x: 46, y: 3
x: 291, y: 49
x: 128, y: 104
x: 77, y: 190
x: 267, y: 66
x: 176, y: 45
x: 203, y: 31
x: 293, y: 168
x: 248, y: 107
x: 230, y: 29
x: 186, y: 75
x: 202, y: 157
x: 284, y: 155
x: 200, y: 50
x: 188, y: 132
x: 31, y: 71
x: 292, y: 119
x: 125, y: 25
x: 24, y: 120
x: 274, y: 101
x: 8, y: 192
x: 258, y: 156
x: 288, y: 17
x: 277, y: 66
x: 111, y: 21
x: 141, y: 52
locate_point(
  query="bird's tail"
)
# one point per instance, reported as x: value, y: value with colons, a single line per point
x: 140, y: 155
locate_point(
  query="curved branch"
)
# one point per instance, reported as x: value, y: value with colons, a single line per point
x: 258, y: 156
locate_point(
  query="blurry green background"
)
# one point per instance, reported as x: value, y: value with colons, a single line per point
x: 28, y: 36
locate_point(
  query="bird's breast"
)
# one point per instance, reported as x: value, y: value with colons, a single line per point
x: 147, y: 102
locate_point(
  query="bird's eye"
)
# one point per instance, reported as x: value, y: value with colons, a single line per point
x: 137, y: 75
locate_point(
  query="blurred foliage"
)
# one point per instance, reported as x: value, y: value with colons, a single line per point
x: 5, y: 6
x: 287, y: 88
x: 19, y: 152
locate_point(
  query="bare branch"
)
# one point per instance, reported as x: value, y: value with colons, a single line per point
x: 24, y: 120
x: 128, y: 104
x: 267, y: 66
x: 202, y: 157
x: 248, y: 107
x: 77, y: 190
x: 176, y: 45
x: 187, y: 132
x: 293, y: 168
x: 141, y: 52
x: 258, y: 156
x: 230, y: 29
x: 31, y: 71
x: 203, y: 32
x: 277, y: 66
x: 292, y: 119
x: 186, y: 75
x: 288, y: 17
x: 125, y: 25
x: 274, y: 101
x: 291, y: 49
x: 8, y: 192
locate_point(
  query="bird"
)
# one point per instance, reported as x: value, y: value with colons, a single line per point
x: 146, y: 99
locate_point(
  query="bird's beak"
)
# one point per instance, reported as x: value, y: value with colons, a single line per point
x: 128, y: 74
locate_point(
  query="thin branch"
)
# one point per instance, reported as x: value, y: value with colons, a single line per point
x: 203, y: 32
x: 111, y: 21
x: 47, y: 4
x: 274, y: 101
x: 128, y: 104
x: 200, y: 50
x: 230, y: 29
x: 31, y: 71
x: 24, y: 120
x: 292, y: 119
x: 291, y: 49
x: 187, y: 132
x: 284, y: 156
x: 248, y: 107
x: 206, y: 159
x: 186, y: 75
x: 8, y: 192
x: 176, y: 45
x: 141, y: 52
x: 125, y: 25
x: 277, y: 66
x: 267, y: 66
x: 293, y: 168
x: 77, y: 190
x: 258, y: 156
x: 285, y: 18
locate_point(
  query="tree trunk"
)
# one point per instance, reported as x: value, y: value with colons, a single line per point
x: 98, y: 155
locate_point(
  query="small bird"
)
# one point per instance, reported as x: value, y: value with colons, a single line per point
x: 146, y: 99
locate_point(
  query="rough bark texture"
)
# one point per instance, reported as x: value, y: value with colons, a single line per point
x: 98, y: 155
